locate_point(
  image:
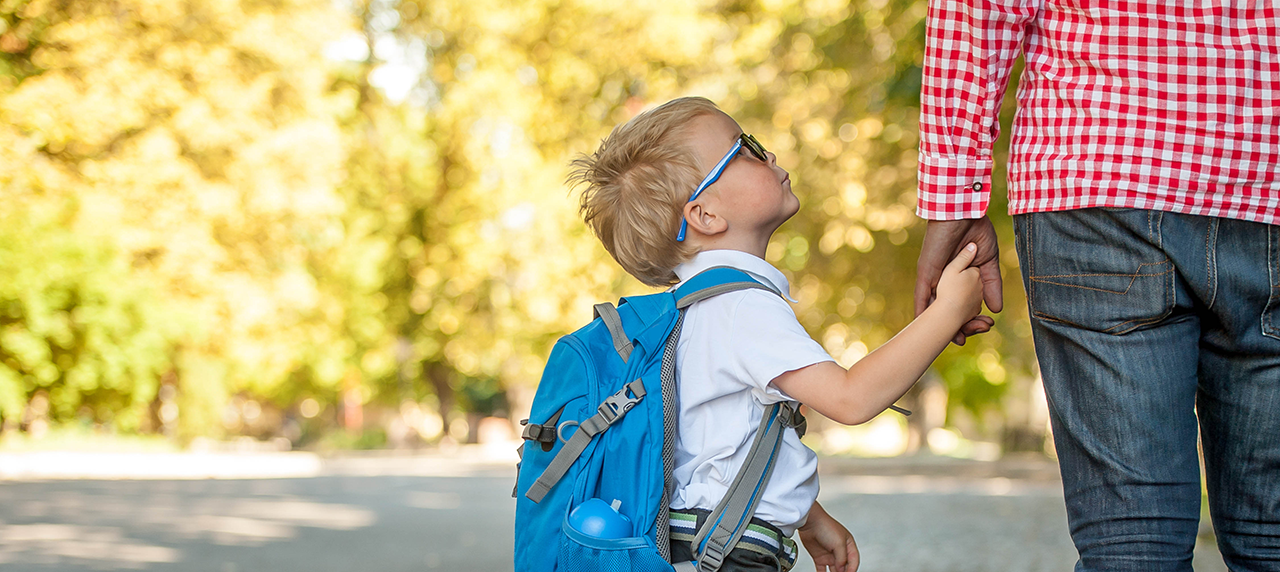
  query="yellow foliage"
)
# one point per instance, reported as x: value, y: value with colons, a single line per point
x: 311, y: 229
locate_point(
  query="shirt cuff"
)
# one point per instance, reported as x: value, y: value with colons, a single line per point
x: 953, y: 189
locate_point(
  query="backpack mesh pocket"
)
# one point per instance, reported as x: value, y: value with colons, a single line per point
x: 581, y: 553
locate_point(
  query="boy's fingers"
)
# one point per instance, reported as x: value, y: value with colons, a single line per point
x: 843, y: 554
x: 964, y: 259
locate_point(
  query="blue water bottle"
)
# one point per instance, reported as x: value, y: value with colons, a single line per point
x: 600, y: 520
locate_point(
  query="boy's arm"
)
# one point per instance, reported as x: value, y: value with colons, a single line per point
x: 870, y: 386
x: 828, y: 542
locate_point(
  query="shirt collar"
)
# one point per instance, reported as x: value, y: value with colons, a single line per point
x: 751, y: 264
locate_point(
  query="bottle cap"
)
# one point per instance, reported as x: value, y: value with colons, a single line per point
x: 598, y: 519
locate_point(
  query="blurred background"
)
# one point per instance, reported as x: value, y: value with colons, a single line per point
x: 322, y: 227
x: 345, y: 224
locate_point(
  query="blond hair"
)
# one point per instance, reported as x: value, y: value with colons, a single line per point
x: 637, y: 183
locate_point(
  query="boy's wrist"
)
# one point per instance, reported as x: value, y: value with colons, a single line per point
x: 951, y: 313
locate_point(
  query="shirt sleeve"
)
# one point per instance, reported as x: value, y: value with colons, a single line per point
x: 768, y: 341
x: 970, y: 48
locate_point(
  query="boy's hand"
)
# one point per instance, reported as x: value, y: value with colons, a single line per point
x: 828, y: 542
x: 960, y: 287
x: 943, y: 239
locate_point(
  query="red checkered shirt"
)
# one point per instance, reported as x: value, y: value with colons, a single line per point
x: 1170, y: 105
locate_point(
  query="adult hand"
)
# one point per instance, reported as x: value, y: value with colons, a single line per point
x: 942, y: 242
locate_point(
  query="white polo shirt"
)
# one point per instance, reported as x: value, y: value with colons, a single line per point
x: 731, y: 347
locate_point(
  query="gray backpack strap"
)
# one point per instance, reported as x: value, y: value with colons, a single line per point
x: 695, y: 297
x: 607, y: 414
x: 613, y: 321
x: 726, y: 525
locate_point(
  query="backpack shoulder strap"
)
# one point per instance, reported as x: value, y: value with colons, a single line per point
x: 726, y: 525
x: 613, y: 321
x: 728, y: 522
x: 715, y: 281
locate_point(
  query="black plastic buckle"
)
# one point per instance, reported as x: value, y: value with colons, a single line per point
x: 539, y: 433
x: 542, y: 434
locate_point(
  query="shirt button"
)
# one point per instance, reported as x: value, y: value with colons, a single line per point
x: 977, y: 186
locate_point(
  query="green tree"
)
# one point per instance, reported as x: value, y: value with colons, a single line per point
x: 76, y: 326
x: 193, y: 145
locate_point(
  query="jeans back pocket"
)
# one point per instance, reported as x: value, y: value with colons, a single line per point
x: 1100, y: 270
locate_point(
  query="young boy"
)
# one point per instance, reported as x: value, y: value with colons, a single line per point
x: 680, y: 189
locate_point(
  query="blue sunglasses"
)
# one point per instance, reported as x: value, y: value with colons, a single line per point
x: 754, y: 147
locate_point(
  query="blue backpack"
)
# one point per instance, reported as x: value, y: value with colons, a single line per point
x: 603, y: 425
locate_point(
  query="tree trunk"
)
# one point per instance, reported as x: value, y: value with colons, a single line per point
x: 438, y: 373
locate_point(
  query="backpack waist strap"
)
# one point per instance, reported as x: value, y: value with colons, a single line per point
x: 760, y: 537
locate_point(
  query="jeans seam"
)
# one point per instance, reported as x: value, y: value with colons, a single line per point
x: 1134, y: 277
x: 1159, y: 216
x: 1136, y: 274
x: 1210, y: 258
x: 1265, y: 320
x: 1031, y: 258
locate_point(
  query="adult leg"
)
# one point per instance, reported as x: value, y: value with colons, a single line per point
x: 1239, y: 401
x: 1116, y: 337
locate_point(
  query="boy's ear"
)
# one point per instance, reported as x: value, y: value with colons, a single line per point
x: 702, y: 220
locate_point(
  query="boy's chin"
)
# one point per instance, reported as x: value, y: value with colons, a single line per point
x: 792, y: 211
x: 783, y: 220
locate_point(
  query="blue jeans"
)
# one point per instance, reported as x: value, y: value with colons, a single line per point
x: 1148, y: 325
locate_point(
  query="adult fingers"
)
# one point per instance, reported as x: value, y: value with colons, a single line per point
x: 941, y: 239
x: 992, y: 285
x: 924, y: 290
x: 978, y: 325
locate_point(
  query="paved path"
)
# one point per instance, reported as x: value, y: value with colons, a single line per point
x: 432, y: 513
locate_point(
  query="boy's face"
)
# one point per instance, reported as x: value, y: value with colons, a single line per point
x: 751, y: 194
